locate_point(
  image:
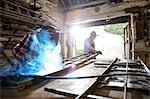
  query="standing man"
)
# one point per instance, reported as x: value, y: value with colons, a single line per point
x: 89, y: 45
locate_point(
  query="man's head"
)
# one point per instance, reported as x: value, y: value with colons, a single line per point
x: 93, y: 35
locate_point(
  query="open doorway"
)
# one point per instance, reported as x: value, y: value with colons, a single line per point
x: 109, y: 40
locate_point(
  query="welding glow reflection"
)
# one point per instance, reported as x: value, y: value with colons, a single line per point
x: 47, y: 62
x: 48, y: 58
x: 75, y: 31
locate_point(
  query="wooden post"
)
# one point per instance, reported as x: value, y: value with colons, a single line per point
x: 133, y: 33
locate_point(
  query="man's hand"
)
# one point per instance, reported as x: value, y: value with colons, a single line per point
x: 99, y: 52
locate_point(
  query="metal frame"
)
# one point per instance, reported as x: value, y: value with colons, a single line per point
x: 91, y: 88
x: 108, y: 73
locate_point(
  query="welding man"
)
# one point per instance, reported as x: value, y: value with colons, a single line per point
x: 34, y: 43
x: 89, y: 45
x: 37, y: 53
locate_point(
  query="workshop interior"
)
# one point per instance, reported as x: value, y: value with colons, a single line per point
x: 75, y: 49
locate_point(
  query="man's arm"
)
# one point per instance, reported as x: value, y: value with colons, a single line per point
x: 92, y: 49
x: 89, y: 46
x: 22, y: 47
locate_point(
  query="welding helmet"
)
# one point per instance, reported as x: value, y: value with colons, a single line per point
x: 49, y: 28
x: 52, y: 32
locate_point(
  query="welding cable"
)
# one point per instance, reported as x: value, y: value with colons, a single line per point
x: 100, y: 76
x: 82, y: 77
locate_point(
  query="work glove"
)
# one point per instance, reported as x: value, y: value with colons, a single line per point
x: 99, y: 52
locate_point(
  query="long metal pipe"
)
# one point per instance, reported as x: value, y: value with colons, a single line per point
x: 126, y: 81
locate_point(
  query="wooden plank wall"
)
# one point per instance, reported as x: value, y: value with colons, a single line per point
x: 140, y: 38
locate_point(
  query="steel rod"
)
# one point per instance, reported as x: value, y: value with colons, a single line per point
x: 145, y: 67
x: 126, y: 81
x: 82, y: 77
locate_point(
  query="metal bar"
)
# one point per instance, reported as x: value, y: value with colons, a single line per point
x: 60, y: 92
x: 116, y: 64
x: 97, y: 97
x: 73, y: 57
x: 79, y: 56
x: 129, y: 70
x: 119, y: 88
x: 84, y: 94
x: 101, y: 63
x: 145, y: 67
x: 101, y: 66
x: 80, y: 59
x: 126, y: 81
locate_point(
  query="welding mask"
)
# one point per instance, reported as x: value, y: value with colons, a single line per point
x: 48, y: 35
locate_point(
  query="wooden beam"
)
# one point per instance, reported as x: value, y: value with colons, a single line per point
x: 106, y: 10
x: 93, y: 3
x: 105, y: 22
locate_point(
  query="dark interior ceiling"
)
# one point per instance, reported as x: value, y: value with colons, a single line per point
x: 77, y: 4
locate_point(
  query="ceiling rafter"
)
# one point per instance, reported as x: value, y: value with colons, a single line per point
x: 72, y: 4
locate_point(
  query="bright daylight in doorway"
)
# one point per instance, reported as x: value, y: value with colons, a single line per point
x: 110, y: 44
